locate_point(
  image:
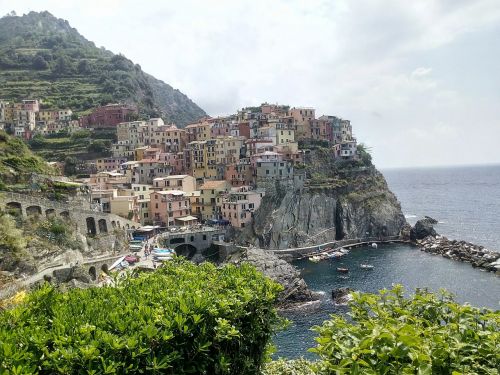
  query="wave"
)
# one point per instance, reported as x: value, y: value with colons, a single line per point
x: 410, y: 216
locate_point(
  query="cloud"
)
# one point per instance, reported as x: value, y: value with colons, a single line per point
x: 385, y: 65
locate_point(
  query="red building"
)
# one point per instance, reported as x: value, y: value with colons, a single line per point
x: 108, y: 116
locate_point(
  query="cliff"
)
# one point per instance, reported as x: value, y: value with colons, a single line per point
x: 339, y: 200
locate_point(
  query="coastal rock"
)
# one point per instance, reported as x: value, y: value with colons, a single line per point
x: 341, y: 296
x: 422, y: 229
x: 430, y: 220
x: 355, y: 205
x: 295, y: 288
x: 462, y: 251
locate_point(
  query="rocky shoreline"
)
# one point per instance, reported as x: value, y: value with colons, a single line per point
x: 462, y: 251
x: 427, y: 239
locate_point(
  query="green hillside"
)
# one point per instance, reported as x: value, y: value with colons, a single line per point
x: 17, y: 161
x: 42, y: 56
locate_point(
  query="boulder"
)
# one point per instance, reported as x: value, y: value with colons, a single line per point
x: 422, y: 229
x: 340, y: 296
x: 430, y: 220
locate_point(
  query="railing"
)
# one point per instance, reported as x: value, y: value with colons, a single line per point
x: 302, y: 251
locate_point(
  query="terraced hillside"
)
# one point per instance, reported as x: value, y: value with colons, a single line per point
x: 42, y: 56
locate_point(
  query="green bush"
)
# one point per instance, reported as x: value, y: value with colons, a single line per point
x: 424, y: 334
x: 183, y: 319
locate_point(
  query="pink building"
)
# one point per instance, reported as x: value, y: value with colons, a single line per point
x: 168, y: 206
x: 239, y: 174
x: 238, y: 206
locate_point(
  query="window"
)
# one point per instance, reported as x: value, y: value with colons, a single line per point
x: 204, y: 237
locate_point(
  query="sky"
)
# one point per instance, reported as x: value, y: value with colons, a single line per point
x: 419, y: 80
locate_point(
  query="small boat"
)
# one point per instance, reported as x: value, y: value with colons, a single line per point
x: 343, y: 277
x: 374, y: 245
x: 367, y: 266
x: 315, y: 259
x: 159, y: 251
x: 342, y: 270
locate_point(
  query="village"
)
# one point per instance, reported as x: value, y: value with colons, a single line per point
x: 215, y: 171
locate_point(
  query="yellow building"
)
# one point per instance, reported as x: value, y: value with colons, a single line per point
x: 199, y: 131
x: 227, y: 149
x: 209, y: 192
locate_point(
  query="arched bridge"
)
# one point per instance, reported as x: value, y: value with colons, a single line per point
x: 187, y: 242
x: 86, y: 220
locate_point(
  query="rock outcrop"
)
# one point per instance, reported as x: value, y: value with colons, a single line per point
x: 463, y: 251
x: 422, y: 229
x: 295, y: 288
x: 355, y: 204
x: 341, y: 296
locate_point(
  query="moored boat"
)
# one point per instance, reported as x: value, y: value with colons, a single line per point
x: 342, y: 270
x: 367, y: 266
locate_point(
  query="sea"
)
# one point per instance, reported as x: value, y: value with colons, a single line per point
x: 466, y: 203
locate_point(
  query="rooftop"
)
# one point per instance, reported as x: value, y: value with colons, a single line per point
x: 213, y: 184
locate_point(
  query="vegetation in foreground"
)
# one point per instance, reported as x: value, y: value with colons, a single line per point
x: 207, y: 320
x: 183, y: 319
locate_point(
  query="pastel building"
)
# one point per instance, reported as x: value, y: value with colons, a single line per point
x: 238, y: 205
x: 209, y: 192
x: 167, y: 207
x: 183, y: 182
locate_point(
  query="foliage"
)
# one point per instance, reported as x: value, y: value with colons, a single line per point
x: 17, y: 162
x: 289, y: 367
x: 11, y: 238
x: 56, y: 230
x: 44, y: 57
x: 182, y: 319
x: 364, y: 155
x: 424, y: 334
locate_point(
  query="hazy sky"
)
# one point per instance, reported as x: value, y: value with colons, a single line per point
x: 419, y: 80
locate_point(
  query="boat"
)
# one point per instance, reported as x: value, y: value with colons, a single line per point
x: 374, y: 245
x: 315, y: 259
x: 342, y: 270
x: 367, y: 266
x: 160, y: 251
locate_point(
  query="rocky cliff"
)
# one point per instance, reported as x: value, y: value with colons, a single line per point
x: 339, y: 200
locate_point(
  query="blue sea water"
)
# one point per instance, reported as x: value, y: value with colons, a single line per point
x: 465, y: 200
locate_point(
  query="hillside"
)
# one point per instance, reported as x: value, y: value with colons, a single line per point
x: 17, y: 161
x: 42, y: 56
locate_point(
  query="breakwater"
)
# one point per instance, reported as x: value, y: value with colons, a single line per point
x: 478, y: 256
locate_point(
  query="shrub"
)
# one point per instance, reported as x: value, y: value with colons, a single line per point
x: 424, y: 334
x: 181, y: 319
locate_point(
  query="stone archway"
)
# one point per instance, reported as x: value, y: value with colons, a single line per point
x: 113, y: 224
x: 105, y: 268
x: 33, y: 211
x: 103, y: 226
x: 186, y: 250
x: 14, y: 208
x: 91, y: 228
x: 50, y: 212
x: 93, y: 273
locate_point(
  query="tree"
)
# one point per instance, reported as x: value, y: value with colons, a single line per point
x: 70, y: 164
x: 364, y: 154
x: 40, y: 63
